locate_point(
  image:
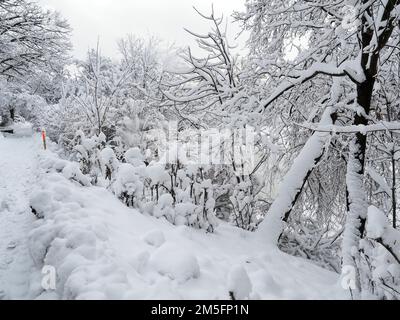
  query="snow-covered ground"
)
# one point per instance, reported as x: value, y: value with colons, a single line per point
x: 18, y: 161
x: 102, y: 249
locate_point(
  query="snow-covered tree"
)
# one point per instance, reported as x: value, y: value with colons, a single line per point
x: 346, y: 47
x: 30, y: 37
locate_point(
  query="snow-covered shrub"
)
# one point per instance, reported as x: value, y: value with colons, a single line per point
x: 88, y: 153
x: 134, y: 157
x: 182, y: 195
x: 242, y: 199
x: 381, y: 253
x: 72, y: 172
x: 205, y: 212
x: 165, y: 207
x: 108, y: 163
x: 157, y: 180
x: 128, y: 185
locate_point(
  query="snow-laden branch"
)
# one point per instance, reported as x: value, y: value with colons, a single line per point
x: 379, y: 180
x: 382, y: 126
x: 379, y: 229
x: 348, y: 68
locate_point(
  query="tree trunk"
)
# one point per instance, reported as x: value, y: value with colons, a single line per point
x: 356, y: 210
x: 357, y: 207
x: 294, y: 181
x: 394, y: 202
x: 12, y: 114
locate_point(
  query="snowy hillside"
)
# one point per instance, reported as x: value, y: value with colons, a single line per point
x: 103, y: 250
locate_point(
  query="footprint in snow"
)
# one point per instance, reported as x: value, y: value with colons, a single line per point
x: 12, y: 245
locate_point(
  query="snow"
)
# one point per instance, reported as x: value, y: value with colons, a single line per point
x: 134, y: 157
x: 127, y: 182
x: 107, y: 155
x: 41, y: 202
x: 154, y: 238
x: 157, y: 174
x: 239, y: 283
x: 101, y: 249
x: 175, y: 262
x: 357, y: 208
x: 378, y: 228
x: 377, y: 223
x: 22, y: 129
x: 72, y: 171
x: 381, y: 181
x: 17, y: 163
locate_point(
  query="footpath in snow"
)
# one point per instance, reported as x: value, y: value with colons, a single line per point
x: 100, y: 249
x: 18, y: 167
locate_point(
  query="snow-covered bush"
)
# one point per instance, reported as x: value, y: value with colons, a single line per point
x: 108, y: 163
x: 242, y: 199
x: 88, y: 154
x: 128, y: 185
x: 165, y: 207
x: 381, y: 256
x: 72, y: 172
x: 182, y: 195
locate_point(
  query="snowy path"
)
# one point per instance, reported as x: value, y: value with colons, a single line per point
x: 17, y: 168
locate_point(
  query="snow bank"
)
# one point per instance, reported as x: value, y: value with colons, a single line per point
x: 155, y: 238
x: 176, y: 263
x: 239, y: 283
x: 71, y: 171
x: 102, y: 249
x: 22, y: 129
x: 41, y: 202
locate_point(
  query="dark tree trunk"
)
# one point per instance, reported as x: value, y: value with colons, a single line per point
x: 12, y: 114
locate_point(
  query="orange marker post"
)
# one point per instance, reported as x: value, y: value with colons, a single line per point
x: 44, y: 139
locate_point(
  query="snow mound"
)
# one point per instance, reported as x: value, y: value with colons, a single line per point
x: 101, y: 249
x: 376, y: 223
x: 154, y: 238
x: 72, y: 172
x: 239, y: 283
x: 41, y: 202
x: 134, y: 157
x: 22, y: 129
x: 176, y: 263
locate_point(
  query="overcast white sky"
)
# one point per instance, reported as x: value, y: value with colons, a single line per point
x: 113, y: 19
